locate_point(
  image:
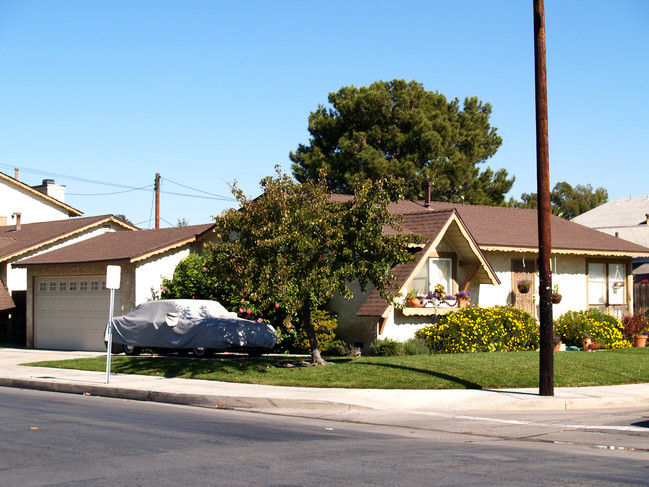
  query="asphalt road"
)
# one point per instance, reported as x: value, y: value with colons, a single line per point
x: 60, y: 439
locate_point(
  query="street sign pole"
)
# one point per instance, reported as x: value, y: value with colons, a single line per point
x: 113, y: 273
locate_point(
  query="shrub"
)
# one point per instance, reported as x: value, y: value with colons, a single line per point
x: 386, y: 347
x: 604, y: 329
x: 340, y: 348
x: 416, y: 346
x: 325, y: 329
x: 496, y: 329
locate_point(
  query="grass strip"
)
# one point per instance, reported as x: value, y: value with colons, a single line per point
x: 438, y: 371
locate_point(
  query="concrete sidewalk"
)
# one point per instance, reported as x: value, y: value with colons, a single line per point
x: 259, y: 397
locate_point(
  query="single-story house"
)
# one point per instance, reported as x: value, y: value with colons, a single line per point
x: 486, y: 250
x: 67, y: 299
x: 21, y: 241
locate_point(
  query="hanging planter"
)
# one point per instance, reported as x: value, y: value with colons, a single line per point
x: 556, y: 297
x: 617, y: 285
x: 524, y: 286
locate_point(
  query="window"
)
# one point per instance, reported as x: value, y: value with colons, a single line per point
x: 52, y: 286
x: 439, y: 270
x: 83, y: 286
x: 607, y: 286
x: 42, y: 287
x: 63, y: 286
x: 73, y: 286
x: 94, y: 286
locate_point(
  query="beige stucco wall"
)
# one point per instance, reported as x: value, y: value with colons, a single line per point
x: 149, y: 274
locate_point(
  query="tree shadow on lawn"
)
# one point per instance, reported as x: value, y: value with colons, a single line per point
x: 449, y: 378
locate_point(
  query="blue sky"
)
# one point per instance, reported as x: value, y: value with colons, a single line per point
x: 207, y: 92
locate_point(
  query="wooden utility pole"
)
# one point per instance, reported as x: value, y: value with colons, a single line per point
x: 546, y: 360
x: 157, y: 200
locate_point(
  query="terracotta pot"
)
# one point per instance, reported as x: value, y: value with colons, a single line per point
x: 639, y: 340
x: 414, y: 302
x: 462, y: 302
x: 557, y: 347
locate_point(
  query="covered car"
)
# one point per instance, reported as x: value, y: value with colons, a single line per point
x: 189, y: 324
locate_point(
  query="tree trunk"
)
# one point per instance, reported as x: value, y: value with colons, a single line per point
x: 310, y: 332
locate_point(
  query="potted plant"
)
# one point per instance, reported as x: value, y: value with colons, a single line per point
x: 463, y: 299
x: 524, y: 286
x: 640, y: 340
x: 412, y: 300
x: 635, y: 328
x: 617, y: 285
x: 556, y: 297
x: 556, y: 342
x: 437, y: 295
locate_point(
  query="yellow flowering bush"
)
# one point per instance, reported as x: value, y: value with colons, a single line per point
x: 473, y: 329
x: 602, y: 328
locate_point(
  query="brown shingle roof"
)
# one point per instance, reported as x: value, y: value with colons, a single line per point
x: 6, y: 302
x: 120, y: 246
x: 497, y: 226
x: 31, y: 236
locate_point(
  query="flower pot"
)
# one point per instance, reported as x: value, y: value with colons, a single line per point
x: 557, y: 347
x: 413, y: 302
x: 462, y: 302
x: 523, y: 288
x: 556, y: 298
x: 639, y: 340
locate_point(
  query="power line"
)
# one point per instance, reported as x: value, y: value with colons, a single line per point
x: 108, y: 194
x: 65, y: 176
x: 213, y: 196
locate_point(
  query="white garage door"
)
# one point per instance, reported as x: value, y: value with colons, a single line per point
x: 70, y: 313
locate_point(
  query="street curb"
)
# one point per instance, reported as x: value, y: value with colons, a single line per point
x: 204, y: 400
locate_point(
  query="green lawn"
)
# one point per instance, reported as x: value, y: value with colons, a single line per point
x: 440, y: 371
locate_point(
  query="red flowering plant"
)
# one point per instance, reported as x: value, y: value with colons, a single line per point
x: 634, y: 324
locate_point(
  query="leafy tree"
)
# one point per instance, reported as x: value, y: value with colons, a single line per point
x: 566, y: 201
x: 294, y: 247
x: 398, y: 129
x: 575, y: 201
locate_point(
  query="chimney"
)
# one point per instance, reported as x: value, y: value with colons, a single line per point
x: 16, y: 174
x: 427, y: 186
x: 50, y: 188
x: 646, y: 217
x: 17, y: 215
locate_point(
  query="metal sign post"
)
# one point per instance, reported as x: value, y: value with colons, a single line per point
x: 113, y: 274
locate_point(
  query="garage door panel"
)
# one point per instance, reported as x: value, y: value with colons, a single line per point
x: 70, y: 313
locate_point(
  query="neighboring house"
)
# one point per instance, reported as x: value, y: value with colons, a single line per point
x: 67, y: 301
x: 626, y: 218
x: 486, y: 251
x: 32, y: 239
x: 21, y: 203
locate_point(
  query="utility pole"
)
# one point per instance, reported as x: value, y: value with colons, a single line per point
x: 546, y: 355
x: 157, y: 200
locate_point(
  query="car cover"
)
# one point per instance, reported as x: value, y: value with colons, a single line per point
x: 190, y: 323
